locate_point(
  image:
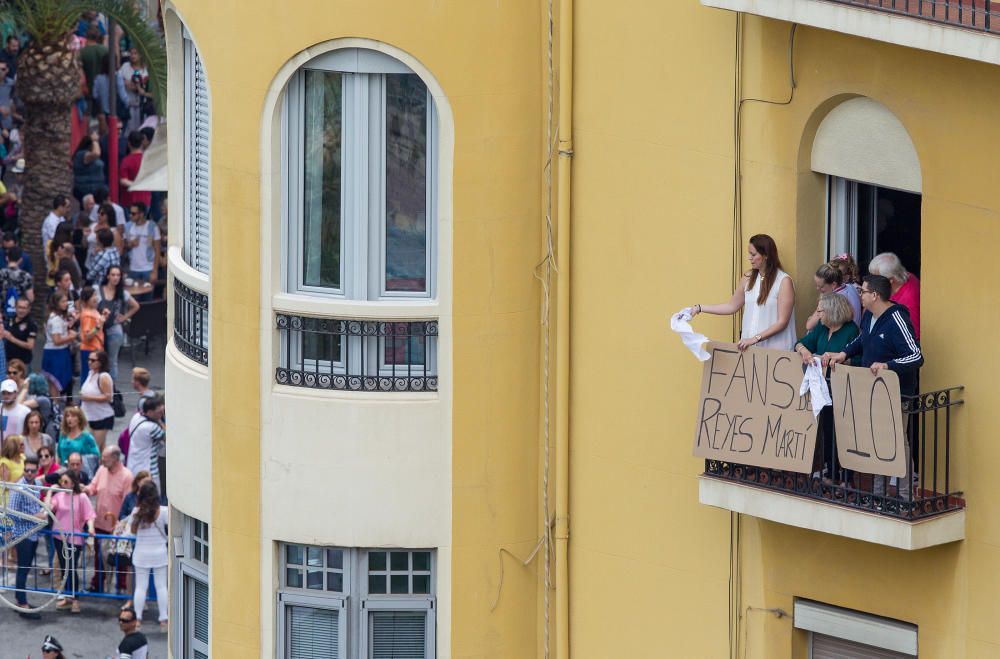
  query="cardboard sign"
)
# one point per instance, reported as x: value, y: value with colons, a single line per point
x: 751, y: 412
x: 868, y: 420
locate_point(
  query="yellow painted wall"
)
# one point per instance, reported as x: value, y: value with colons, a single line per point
x: 487, y: 57
x: 653, y: 232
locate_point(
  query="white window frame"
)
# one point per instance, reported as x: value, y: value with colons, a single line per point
x: 190, y: 53
x: 287, y: 599
x: 354, y: 600
x: 362, y: 236
x: 188, y: 568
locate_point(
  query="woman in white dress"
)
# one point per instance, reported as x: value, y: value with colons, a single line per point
x: 766, y: 296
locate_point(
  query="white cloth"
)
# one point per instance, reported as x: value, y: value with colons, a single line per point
x: 758, y: 317
x: 680, y: 322
x: 815, y: 384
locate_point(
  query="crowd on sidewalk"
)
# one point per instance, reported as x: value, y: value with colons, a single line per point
x: 65, y: 478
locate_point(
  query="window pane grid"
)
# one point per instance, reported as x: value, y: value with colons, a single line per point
x: 311, y: 568
x: 399, y: 572
x: 354, y: 621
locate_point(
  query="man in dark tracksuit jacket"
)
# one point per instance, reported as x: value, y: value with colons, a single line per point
x: 887, y: 340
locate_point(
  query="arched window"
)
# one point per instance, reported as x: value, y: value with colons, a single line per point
x: 874, y: 183
x: 359, y: 140
x: 196, y: 154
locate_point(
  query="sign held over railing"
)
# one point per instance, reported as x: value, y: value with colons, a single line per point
x: 751, y: 412
x: 868, y: 421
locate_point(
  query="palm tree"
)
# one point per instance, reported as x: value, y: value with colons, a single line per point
x: 48, y: 83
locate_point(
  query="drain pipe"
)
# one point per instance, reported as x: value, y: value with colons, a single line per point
x: 565, y: 149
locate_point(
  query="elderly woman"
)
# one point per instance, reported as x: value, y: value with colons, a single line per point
x: 830, y: 279
x: 766, y: 296
x: 834, y: 329
x: 905, y: 286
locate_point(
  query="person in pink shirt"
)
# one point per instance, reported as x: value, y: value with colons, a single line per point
x: 905, y: 285
x: 73, y: 512
x: 111, y: 483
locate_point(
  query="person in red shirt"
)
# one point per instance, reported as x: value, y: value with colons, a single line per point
x: 129, y: 169
x: 905, y: 285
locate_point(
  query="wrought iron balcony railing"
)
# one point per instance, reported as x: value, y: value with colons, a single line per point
x: 357, y: 355
x: 191, y: 322
x: 929, y: 474
x: 979, y: 15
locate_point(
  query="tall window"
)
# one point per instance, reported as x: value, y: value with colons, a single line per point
x: 189, y: 594
x: 196, y: 154
x: 360, y: 168
x: 336, y: 603
x: 866, y: 220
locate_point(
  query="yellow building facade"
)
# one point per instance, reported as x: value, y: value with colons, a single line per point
x: 515, y: 451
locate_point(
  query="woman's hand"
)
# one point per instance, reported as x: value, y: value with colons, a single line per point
x: 807, y: 356
x: 747, y: 343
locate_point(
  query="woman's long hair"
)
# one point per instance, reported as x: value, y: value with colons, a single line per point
x: 147, y: 508
x: 11, y: 447
x: 765, y: 246
x: 120, y: 288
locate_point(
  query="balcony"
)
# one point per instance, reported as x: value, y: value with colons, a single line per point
x: 191, y: 322
x: 972, y: 14
x: 354, y: 354
x: 866, y: 507
x: 963, y: 28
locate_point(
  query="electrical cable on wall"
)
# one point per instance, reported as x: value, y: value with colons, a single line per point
x: 735, y: 520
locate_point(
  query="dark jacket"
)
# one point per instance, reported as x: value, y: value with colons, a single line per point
x: 891, y: 341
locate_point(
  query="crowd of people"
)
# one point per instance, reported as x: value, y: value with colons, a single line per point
x: 101, y: 494
x: 871, y: 321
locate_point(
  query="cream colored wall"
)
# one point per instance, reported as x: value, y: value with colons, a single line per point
x: 653, y: 232
x: 189, y: 477
x: 487, y: 60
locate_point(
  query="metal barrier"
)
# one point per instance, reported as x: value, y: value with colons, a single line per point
x: 117, y: 577
x: 103, y: 564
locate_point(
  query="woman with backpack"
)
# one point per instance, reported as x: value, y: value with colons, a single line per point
x: 149, y: 524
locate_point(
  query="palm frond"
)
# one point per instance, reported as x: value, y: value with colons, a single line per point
x: 142, y: 36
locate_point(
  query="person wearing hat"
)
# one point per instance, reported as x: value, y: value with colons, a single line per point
x: 12, y: 413
x: 52, y: 649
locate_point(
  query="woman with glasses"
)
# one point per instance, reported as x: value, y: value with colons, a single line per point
x: 121, y: 306
x: 73, y: 513
x: 766, y: 296
x: 95, y: 396
x: 47, y: 464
